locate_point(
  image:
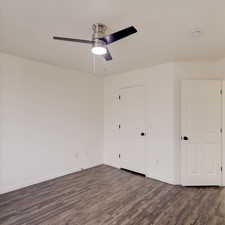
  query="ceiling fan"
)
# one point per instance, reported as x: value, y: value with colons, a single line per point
x: 100, y: 40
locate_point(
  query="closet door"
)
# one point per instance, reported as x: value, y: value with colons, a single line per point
x: 201, y: 132
x: 132, y: 132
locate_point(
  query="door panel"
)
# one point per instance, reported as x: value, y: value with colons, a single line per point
x: 201, y: 123
x: 132, y: 122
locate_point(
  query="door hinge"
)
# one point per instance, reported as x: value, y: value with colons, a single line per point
x: 221, y: 130
x: 221, y: 91
x: 119, y: 156
x: 119, y: 126
x: 119, y: 97
x: 221, y: 168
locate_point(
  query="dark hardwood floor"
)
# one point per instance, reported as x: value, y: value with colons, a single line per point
x: 104, y: 195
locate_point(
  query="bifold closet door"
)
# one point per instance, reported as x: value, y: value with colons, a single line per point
x: 201, y: 122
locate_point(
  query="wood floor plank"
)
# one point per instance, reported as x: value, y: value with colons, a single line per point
x: 104, y: 195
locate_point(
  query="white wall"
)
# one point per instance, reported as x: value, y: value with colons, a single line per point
x: 163, y: 104
x: 51, y: 122
x: 51, y: 119
x: 159, y: 85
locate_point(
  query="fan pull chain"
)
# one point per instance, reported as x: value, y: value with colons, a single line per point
x: 94, y: 65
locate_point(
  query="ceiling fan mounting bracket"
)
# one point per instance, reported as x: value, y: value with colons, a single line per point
x: 99, y: 27
x: 99, y: 30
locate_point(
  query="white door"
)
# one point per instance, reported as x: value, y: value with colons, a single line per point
x: 201, y: 132
x: 132, y: 132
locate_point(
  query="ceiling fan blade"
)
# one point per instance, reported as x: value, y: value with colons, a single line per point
x: 73, y: 40
x: 108, y: 39
x: 108, y: 55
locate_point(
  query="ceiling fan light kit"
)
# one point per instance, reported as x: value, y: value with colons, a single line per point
x: 99, y: 47
x: 100, y: 40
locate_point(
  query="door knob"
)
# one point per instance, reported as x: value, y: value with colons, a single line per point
x: 142, y: 134
x: 185, y: 138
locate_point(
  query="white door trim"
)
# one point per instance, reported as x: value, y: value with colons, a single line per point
x: 223, y: 134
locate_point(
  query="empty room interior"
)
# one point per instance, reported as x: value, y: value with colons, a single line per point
x: 112, y: 112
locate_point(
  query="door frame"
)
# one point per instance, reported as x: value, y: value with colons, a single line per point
x: 222, y: 138
x: 145, y: 122
x: 223, y: 132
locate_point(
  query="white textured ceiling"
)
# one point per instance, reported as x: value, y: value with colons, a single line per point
x: 27, y: 27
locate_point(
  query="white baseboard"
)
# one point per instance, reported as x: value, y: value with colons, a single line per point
x: 162, y: 179
x: 9, y: 188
